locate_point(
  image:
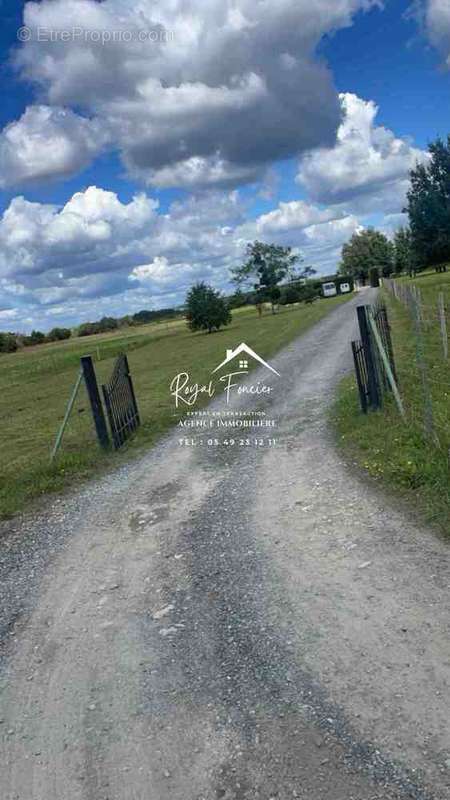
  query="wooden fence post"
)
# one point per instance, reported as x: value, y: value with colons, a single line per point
x: 443, y: 321
x: 421, y: 363
x: 70, y: 406
x: 387, y: 365
x: 95, y: 401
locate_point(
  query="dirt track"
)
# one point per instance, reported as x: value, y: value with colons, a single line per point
x: 216, y: 622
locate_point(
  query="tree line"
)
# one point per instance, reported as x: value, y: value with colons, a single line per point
x: 10, y: 342
x: 425, y: 241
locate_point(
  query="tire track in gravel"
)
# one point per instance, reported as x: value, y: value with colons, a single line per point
x: 185, y: 625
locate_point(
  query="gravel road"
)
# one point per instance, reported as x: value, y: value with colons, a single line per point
x: 228, y: 622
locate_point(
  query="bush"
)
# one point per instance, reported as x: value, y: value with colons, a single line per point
x: 310, y: 292
x: 144, y: 317
x: 59, y: 334
x: 290, y: 295
x: 88, y: 329
x: 107, y: 324
x: 37, y: 337
x: 8, y: 343
x: 206, y: 309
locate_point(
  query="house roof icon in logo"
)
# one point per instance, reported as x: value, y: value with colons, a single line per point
x: 244, y: 348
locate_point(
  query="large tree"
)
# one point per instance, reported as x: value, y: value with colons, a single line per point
x: 429, y: 206
x: 266, y: 266
x: 403, y: 253
x: 206, y: 309
x: 366, y: 250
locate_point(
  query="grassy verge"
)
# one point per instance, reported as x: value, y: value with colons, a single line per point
x: 35, y: 386
x: 396, y: 453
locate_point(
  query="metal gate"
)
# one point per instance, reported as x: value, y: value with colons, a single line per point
x: 374, y: 357
x: 362, y: 376
x: 120, y: 402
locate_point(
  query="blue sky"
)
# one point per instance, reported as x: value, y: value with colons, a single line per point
x: 130, y: 169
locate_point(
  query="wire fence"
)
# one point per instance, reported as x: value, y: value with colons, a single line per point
x: 421, y: 328
x: 31, y: 411
x: 35, y: 387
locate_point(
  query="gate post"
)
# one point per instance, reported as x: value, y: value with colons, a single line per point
x: 372, y: 372
x: 90, y: 379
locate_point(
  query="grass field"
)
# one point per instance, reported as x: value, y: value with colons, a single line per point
x: 400, y: 454
x: 36, y: 383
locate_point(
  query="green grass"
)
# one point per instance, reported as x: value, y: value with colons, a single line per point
x: 396, y: 453
x: 429, y: 282
x: 35, y: 386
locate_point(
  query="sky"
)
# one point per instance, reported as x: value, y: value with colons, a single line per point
x: 144, y: 143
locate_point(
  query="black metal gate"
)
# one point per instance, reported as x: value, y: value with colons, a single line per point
x: 371, y: 372
x: 362, y: 376
x: 120, y: 402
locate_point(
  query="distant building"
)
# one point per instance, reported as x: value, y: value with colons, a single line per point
x: 329, y: 289
x: 333, y: 285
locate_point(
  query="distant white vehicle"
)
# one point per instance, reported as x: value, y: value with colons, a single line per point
x: 329, y: 289
x: 345, y: 288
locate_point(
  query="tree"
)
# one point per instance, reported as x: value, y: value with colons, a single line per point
x: 59, y: 334
x: 144, y: 317
x: 291, y: 294
x: 8, y: 343
x: 268, y: 265
x: 206, y: 309
x: 238, y: 299
x: 274, y: 295
x: 88, y: 329
x: 310, y: 292
x: 365, y: 250
x: 429, y: 207
x: 403, y: 252
x: 107, y: 324
x: 37, y: 337
x: 374, y: 277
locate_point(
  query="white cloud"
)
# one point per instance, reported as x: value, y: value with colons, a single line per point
x: 47, y: 143
x: 8, y: 314
x: 367, y: 169
x: 98, y: 255
x: 233, y: 85
x: 158, y: 271
x: 196, y: 171
x: 93, y: 228
x: 437, y: 22
x: 163, y: 276
x: 294, y: 215
x: 321, y: 243
x: 94, y: 242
